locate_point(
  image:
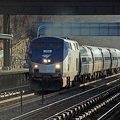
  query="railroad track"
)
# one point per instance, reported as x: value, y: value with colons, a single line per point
x: 110, y: 112
x: 9, y: 94
x: 14, y: 92
x: 14, y: 95
x: 61, y: 105
x: 33, y: 102
x: 88, y: 109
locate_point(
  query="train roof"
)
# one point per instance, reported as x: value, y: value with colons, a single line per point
x: 62, y: 38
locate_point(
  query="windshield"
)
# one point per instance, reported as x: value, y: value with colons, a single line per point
x: 47, y: 45
x: 55, y: 45
x: 39, y: 45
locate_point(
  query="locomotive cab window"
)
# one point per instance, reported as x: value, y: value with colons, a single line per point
x: 55, y: 45
x: 70, y: 46
x: 77, y: 46
x: 39, y: 44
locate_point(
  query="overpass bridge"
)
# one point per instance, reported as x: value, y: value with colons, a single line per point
x: 76, y: 29
x: 61, y: 7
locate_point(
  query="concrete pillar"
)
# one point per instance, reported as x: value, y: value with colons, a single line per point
x: 6, y: 30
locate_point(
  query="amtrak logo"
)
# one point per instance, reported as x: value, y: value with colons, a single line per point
x: 46, y: 55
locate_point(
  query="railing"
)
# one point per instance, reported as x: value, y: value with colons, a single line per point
x: 6, y: 36
x: 13, y: 80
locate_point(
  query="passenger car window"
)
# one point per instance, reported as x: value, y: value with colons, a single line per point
x: 84, y: 59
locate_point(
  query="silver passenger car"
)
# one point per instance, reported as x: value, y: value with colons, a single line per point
x: 114, y: 60
x: 118, y: 57
x: 98, y: 61
x: 86, y: 60
x: 106, y: 60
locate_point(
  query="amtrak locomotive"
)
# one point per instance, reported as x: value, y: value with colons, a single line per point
x: 56, y: 62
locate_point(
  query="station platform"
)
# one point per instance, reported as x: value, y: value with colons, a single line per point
x: 16, y: 70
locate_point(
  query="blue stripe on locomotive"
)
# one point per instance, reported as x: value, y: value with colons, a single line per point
x: 52, y: 53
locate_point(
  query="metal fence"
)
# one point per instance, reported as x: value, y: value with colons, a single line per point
x: 11, y: 81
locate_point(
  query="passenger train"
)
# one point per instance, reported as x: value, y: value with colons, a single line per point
x: 56, y: 62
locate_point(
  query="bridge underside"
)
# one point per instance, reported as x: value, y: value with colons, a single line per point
x: 60, y: 7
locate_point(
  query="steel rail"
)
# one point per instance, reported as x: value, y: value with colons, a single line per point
x: 28, y: 101
x: 83, y: 102
x: 108, y: 113
x: 32, y: 113
x: 14, y: 88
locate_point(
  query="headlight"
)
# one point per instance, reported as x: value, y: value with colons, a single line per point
x: 49, y: 60
x: 57, y: 66
x: 36, y: 66
x: 45, y: 60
